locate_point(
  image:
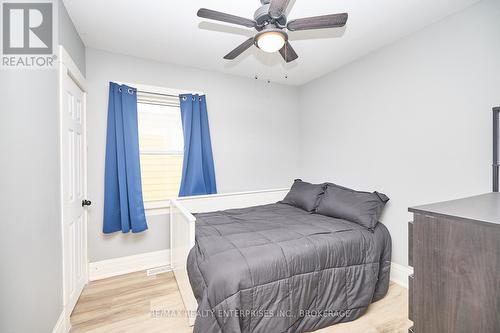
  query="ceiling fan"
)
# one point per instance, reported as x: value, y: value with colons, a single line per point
x: 271, y: 25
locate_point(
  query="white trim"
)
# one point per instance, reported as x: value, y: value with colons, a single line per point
x: 156, y: 204
x: 153, y: 208
x: 61, y: 325
x: 124, y: 265
x: 68, y: 67
x: 158, y: 270
x: 61, y: 69
x: 400, y: 273
x: 157, y: 211
x: 72, y: 68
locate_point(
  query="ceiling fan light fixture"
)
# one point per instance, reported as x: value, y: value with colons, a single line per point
x: 271, y: 41
x: 271, y: 23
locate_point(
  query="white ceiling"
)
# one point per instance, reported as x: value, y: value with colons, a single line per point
x: 169, y: 31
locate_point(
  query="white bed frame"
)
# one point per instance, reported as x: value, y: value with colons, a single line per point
x: 182, y: 228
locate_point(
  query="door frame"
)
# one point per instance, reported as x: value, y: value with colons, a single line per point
x: 67, y: 67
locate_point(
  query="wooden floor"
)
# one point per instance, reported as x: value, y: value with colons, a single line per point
x: 138, y: 303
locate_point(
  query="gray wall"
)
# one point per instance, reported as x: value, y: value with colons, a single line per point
x: 30, y: 241
x: 412, y: 120
x: 68, y: 36
x: 254, y: 127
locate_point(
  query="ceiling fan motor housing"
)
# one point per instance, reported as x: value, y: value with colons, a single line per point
x: 262, y: 16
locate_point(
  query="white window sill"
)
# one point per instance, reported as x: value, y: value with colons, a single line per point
x: 157, y: 207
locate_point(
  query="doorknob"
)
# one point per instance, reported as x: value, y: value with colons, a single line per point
x: 86, y: 203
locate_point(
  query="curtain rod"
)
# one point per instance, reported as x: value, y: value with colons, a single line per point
x: 146, y: 88
x: 155, y: 93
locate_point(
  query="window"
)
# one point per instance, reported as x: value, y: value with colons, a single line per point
x: 161, y: 145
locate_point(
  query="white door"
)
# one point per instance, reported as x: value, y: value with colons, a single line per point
x: 74, y: 191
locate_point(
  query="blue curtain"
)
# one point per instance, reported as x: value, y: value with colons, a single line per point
x: 123, y: 205
x: 198, y: 174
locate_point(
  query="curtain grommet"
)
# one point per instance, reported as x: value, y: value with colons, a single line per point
x: 120, y: 89
x: 130, y: 91
x: 184, y: 98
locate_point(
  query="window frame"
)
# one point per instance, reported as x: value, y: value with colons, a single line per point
x: 159, y: 207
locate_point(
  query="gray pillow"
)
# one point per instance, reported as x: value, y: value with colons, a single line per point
x: 363, y: 208
x: 304, y: 195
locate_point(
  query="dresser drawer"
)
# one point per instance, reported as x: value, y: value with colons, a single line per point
x: 410, y: 297
x: 410, y: 243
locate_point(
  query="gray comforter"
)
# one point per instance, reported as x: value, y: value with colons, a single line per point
x: 276, y: 268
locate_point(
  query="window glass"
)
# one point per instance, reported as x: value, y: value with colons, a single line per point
x: 161, y: 145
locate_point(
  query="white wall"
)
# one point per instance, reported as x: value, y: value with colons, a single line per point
x: 254, y: 128
x: 412, y: 120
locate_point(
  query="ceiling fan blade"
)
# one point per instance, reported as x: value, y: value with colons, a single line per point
x: 278, y: 7
x: 318, y: 22
x: 288, y: 53
x: 240, y: 49
x: 219, y: 16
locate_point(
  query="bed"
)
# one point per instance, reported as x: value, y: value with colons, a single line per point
x: 272, y: 267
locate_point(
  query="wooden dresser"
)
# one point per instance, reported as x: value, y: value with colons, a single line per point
x: 455, y: 252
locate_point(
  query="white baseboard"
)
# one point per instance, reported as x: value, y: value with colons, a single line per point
x: 124, y: 265
x: 61, y: 324
x: 400, y: 273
